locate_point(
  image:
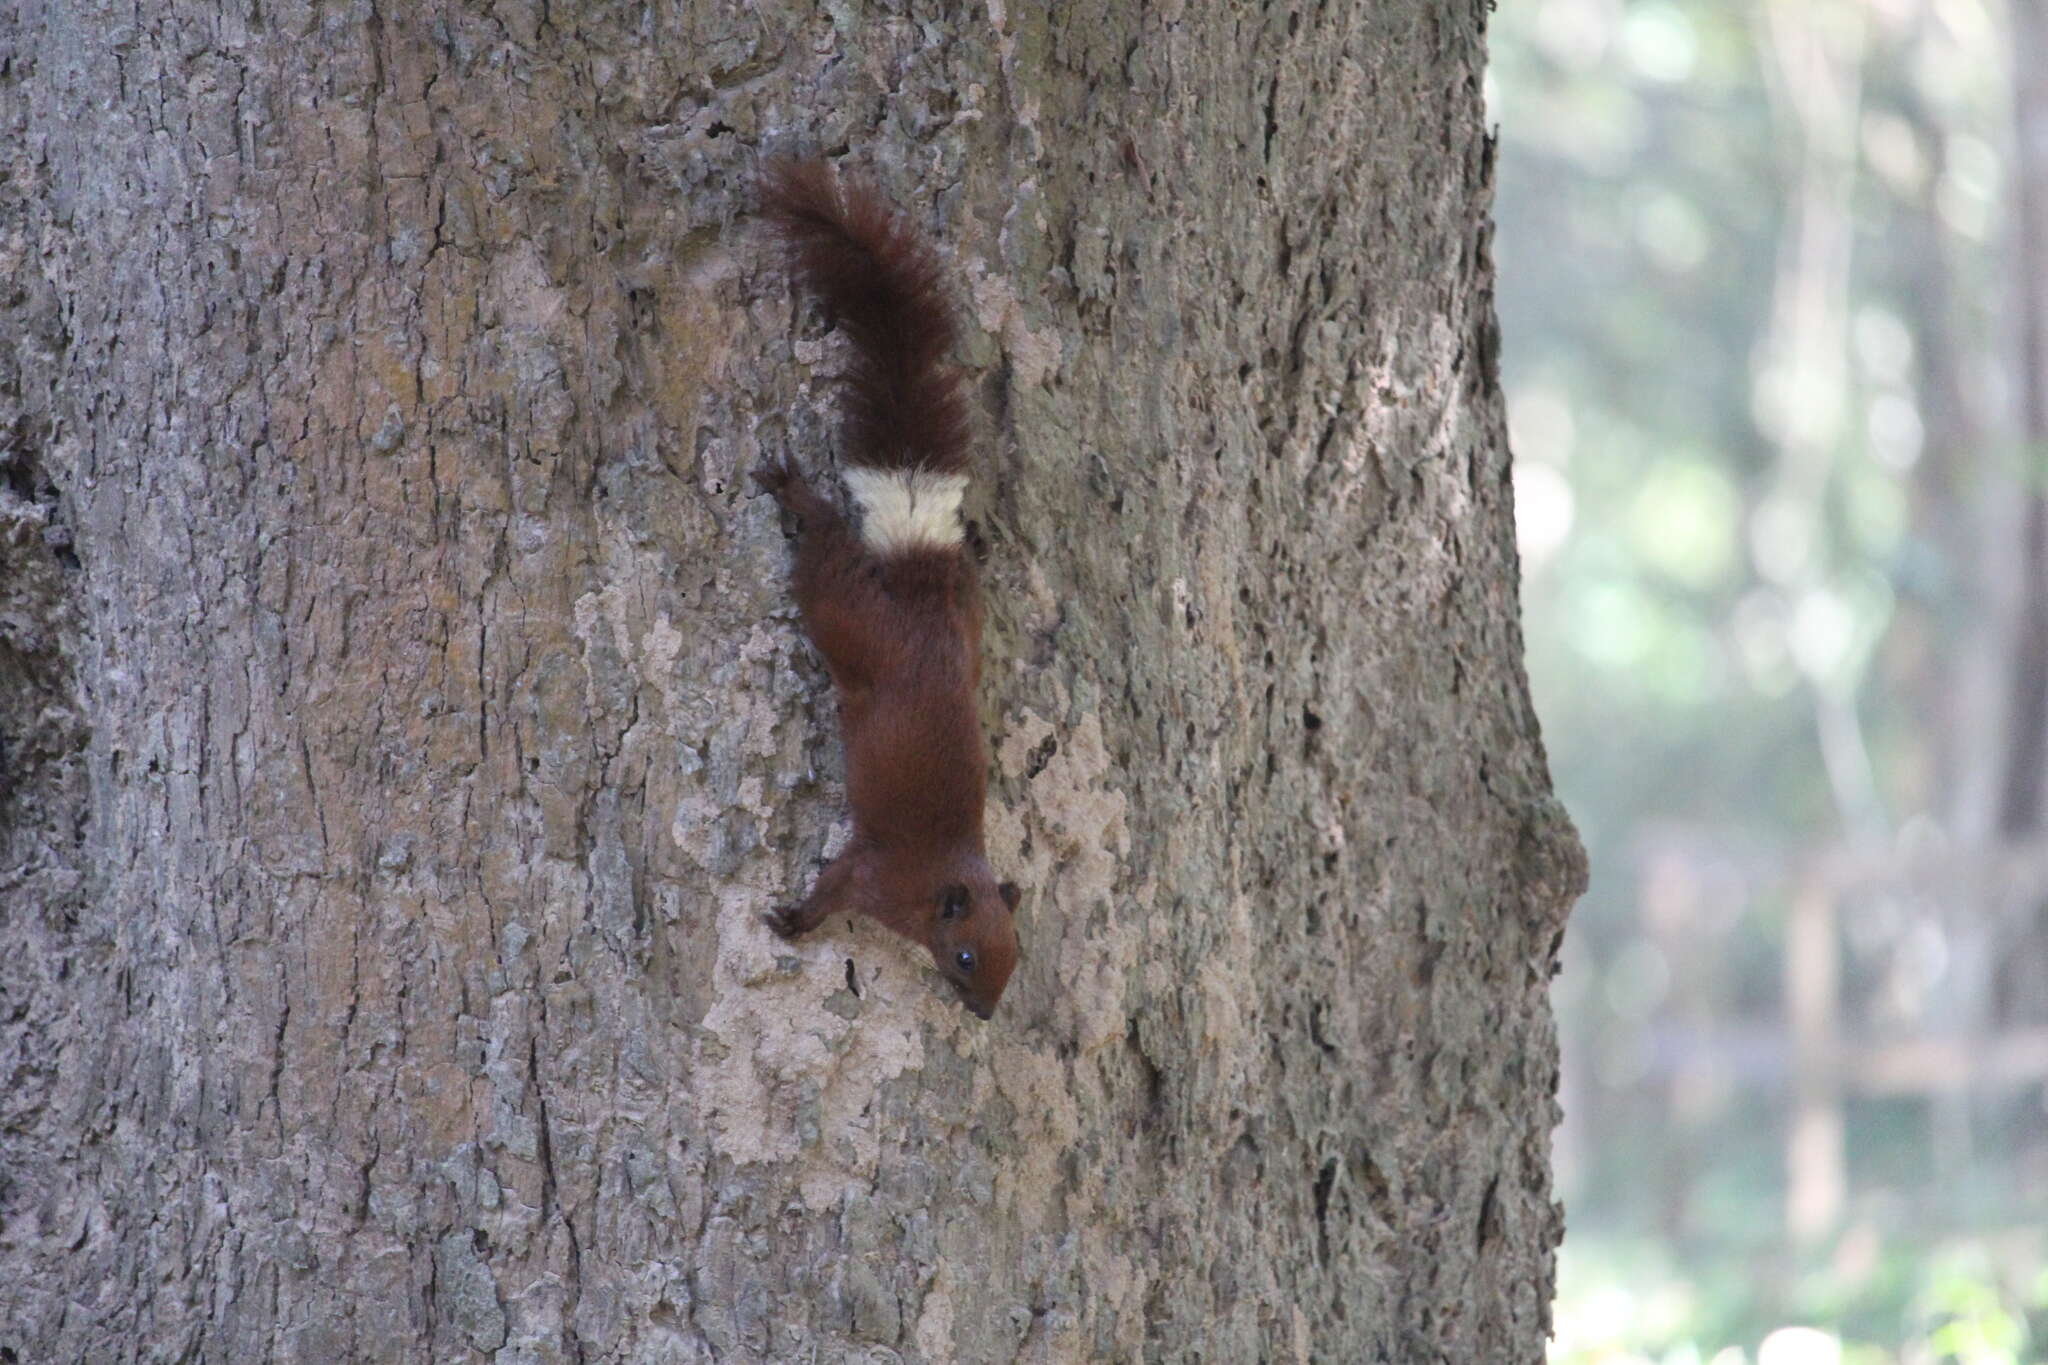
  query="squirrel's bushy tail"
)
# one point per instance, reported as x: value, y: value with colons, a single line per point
x: 904, y: 409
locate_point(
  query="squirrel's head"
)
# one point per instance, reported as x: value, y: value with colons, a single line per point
x: 974, y: 939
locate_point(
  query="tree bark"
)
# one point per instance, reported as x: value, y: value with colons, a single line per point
x: 2023, y: 793
x: 407, y: 722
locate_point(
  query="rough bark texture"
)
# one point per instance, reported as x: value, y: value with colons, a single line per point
x: 406, y: 722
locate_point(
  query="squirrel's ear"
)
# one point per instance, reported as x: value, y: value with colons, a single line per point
x: 1011, y: 895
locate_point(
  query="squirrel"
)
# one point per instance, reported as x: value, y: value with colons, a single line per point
x: 894, y: 607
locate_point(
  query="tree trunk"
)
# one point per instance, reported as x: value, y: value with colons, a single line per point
x: 2023, y: 795
x: 407, y: 722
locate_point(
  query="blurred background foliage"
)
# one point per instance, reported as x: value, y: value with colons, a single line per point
x: 1771, y: 286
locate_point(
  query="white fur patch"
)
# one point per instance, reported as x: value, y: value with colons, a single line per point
x: 907, y: 509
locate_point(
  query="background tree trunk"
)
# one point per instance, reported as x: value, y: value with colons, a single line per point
x: 406, y: 722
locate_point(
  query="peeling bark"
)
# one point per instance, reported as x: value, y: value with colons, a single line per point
x: 416, y: 725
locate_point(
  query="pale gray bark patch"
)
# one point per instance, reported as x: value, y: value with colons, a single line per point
x: 431, y: 726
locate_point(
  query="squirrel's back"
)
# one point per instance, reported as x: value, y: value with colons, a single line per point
x: 904, y: 422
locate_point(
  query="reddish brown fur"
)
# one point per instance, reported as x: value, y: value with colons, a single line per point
x: 901, y: 634
x: 883, y: 286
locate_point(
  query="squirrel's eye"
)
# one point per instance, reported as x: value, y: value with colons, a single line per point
x: 965, y: 961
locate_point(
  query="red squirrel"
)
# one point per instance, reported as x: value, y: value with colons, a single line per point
x: 895, y: 606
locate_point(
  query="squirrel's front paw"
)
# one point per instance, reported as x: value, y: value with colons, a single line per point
x: 786, y: 922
